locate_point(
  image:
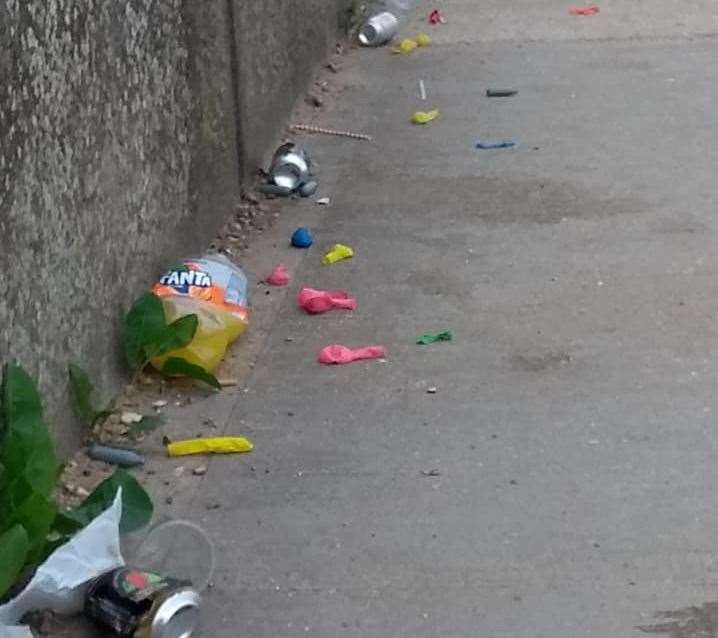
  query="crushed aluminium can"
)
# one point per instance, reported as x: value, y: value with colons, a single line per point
x: 290, y: 169
x: 379, y: 29
x: 135, y: 603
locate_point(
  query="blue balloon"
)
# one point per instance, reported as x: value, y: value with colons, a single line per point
x: 302, y: 238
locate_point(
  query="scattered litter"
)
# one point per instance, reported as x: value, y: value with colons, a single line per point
x: 337, y: 354
x: 302, y: 238
x: 379, y: 29
x: 200, y: 471
x: 338, y: 252
x: 406, y: 46
x: 273, y: 189
x: 501, y: 92
x: 590, y: 10
x: 290, y: 167
x: 129, y: 418
x: 435, y: 17
x: 324, y: 201
x: 279, y: 276
x: 215, y: 290
x: 490, y: 144
x: 423, y: 40
x: 308, y: 188
x: 161, y: 403
x: 431, y: 472
x: 422, y: 90
x: 219, y: 445
x: 424, y: 117
x: 428, y: 338
x: 309, y: 128
x: 139, y: 603
x: 226, y: 382
x: 61, y: 582
x: 121, y: 457
x: 432, y: 389
x: 319, y: 301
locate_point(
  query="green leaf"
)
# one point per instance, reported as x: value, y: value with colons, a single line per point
x: 136, y: 504
x: 26, y: 448
x: 144, y: 327
x: 36, y: 514
x: 149, y: 423
x: 14, y: 546
x: 176, y: 335
x: 178, y: 366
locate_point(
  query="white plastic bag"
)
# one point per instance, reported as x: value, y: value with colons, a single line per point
x: 61, y: 581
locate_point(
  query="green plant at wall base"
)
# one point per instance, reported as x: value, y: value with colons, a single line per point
x: 148, y: 335
x: 82, y: 391
x: 30, y: 524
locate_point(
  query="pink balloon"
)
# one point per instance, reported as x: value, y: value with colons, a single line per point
x: 279, y: 276
x: 336, y: 354
x: 317, y: 301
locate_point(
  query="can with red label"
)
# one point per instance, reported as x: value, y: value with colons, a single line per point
x: 132, y: 602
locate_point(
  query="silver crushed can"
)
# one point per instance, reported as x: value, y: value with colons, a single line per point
x: 290, y: 170
x: 379, y: 29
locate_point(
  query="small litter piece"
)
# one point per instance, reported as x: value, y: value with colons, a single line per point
x: 338, y: 354
x: 429, y: 338
x: 491, y: 144
x: 161, y: 403
x: 308, y: 188
x: 218, y: 445
x: 410, y: 44
x: 501, y: 92
x: 338, y: 252
x: 424, y: 117
x: 316, y: 302
x: 324, y: 201
x: 589, y: 10
x: 435, y: 17
x: 422, y: 90
x: 279, y: 276
x: 200, y: 470
x: 432, y: 390
x: 302, y: 238
x: 431, y: 472
x: 228, y: 381
x: 122, y: 457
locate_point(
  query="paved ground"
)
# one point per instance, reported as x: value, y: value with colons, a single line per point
x: 574, y: 426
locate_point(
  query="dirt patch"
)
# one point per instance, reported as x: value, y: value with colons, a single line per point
x: 689, y: 622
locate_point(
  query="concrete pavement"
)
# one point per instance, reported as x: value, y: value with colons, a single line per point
x: 574, y: 425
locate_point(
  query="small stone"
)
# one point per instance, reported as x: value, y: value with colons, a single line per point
x: 333, y: 67
x: 431, y: 472
x: 201, y: 470
x: 81, y: 491
x: 432, y: 390
x: 128, y: 418
x: 289, y: 339
x: 315, y: 100
x: 214, y: 506
x: 324, y: 201
x: 179, y: 471
x: 169, y: 500
x: 159, y: 404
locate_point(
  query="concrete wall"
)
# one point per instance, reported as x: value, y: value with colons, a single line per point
x: 120, y: 152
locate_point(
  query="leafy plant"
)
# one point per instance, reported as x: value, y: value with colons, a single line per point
x: 148, y: 335
x: 82, y: 391
x: 30, y: 524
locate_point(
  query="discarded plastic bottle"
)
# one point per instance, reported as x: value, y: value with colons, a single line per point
x: 214, y: 289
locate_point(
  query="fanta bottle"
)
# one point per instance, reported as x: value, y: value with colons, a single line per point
x: 214, y: 289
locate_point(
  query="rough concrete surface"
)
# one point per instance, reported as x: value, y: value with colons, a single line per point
x: 119, y: 154
x: 573, y: 427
